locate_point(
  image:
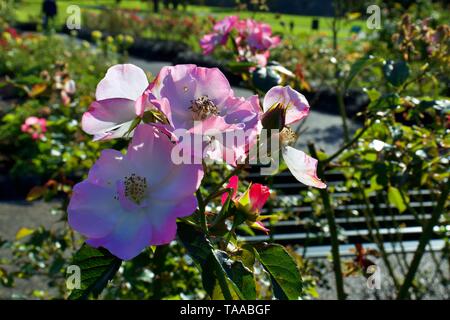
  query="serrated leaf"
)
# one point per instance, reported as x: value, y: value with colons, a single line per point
x: 97, y: 267
x: 200, y: 250
x: 244, y: 280
x: 285, y: 276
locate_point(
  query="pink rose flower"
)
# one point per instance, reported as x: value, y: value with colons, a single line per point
x: 293, y: 107
x: 119, y: 94
x: 132, y: 201
x: 225, y: 25
x: 210, y: 41
x: 251, y: 202
x: 220, y: 35
x: 257, y: 35
x: 201, y: 101
x: 35, y: 127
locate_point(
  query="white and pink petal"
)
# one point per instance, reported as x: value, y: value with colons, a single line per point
x: 302, y: 167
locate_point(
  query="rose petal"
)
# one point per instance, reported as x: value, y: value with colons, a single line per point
x: 108, y: 119
x: 92, y: 209
x: 258, y: 196
x: 296, y: 103
x: 125, y: 81
x: 302, y: 167
x: 232, y: 184
x: 131, y: 235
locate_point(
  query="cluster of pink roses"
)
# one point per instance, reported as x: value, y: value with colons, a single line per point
x: 35, y: 127
x: 252, y: 42
x: 130, y: 201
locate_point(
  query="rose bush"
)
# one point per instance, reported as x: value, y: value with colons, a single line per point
x: 130, y: 202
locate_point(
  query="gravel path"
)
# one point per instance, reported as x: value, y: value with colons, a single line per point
x: 433, y: 282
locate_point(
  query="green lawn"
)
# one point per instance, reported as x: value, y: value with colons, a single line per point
x: 30, y: 9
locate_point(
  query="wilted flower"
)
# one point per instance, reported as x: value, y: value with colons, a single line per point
x: 35, y: 127
x: 132, y: 201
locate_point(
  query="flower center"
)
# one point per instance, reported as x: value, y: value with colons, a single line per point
x: 202, y: 108
x: 135, y: 188
x: 287, y: 136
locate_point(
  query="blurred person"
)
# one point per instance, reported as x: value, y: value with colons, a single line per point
x: 49, y: 10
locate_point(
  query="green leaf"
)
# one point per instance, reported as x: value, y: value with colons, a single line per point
x: 357, y: 67
x: 286, y: 280
x: 373, y: 94
x: 201, y: 251
x: 395, y: 198
x: 97, y: 267
x: 385, y: 102
x: 210, y: 262
x: 247, y: 256
x: 219, y: 261
x: 396, y: 72
x: 195, y: 242
x: 242, y: 278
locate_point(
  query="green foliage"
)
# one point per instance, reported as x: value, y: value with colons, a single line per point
x: 97, y: 267
x: 396, y: 72
x: 395, y: 198
x: 286, y: 279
